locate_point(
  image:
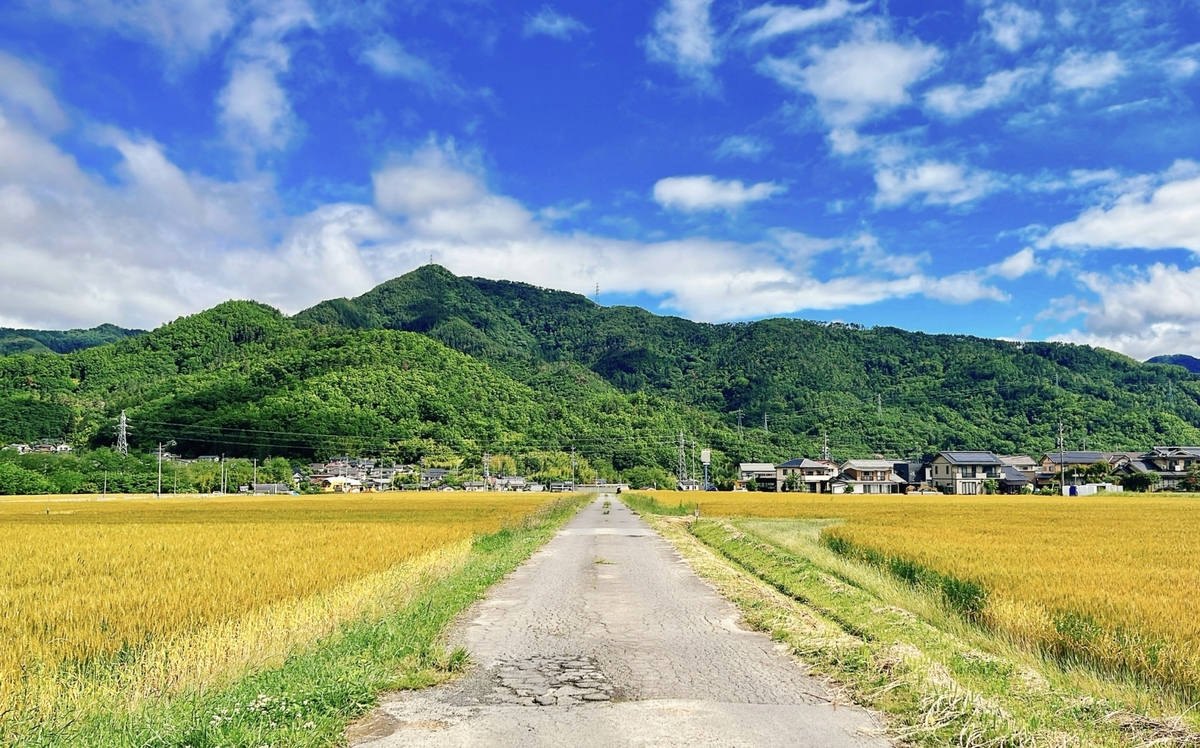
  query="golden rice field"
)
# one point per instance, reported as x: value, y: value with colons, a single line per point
x: 1115, y: 579
x: 182, y: 591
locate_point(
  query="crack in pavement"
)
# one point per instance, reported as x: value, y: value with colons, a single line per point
x: 605, y: 637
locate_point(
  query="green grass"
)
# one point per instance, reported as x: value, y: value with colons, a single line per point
x: 313, y: 695
x: 908, y: 651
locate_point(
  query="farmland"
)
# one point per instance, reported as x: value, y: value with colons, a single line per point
x: 1106, y: 580
x: 133, y: 599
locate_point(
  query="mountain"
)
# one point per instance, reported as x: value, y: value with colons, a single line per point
x: 432, y: 365
x: 869, y: 390
x: 1191, y: 363
x: 59, y: 341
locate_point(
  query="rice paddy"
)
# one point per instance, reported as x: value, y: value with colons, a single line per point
x: 142, y: 597
x: 1110, y: 580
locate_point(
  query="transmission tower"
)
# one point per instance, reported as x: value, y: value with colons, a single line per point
x: 682, y: 458
x: 123, y: 435
x: 739, y: 423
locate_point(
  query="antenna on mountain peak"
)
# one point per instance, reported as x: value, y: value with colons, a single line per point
x: 431, y: 258
x: 597, y: 293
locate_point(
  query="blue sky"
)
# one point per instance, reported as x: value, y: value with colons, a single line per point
x: 1014, y: 169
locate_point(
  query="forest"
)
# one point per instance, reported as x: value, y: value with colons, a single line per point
x: 438, y: 367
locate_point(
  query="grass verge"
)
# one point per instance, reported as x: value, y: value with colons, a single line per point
x: 311, y: 696
x: 906, y: 650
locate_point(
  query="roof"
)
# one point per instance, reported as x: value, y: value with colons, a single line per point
x: 1012, y: 476
x: 757, y: 467
x: 1017, y: 460
x: 971, y: 458
x: 804, y: 462
x: 1075, y: 458
x: 868, y: 465
x: 1177, y: 451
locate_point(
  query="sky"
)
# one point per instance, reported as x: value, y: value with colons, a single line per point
x: 1025, y: 170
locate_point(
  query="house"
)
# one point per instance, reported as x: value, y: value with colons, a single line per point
x: 762, y: 473
x: 474, y: 485
x: 21, y: 449
x: 1076, y: 462
x: 562, y: 486
x: 871, y: 476
x: 1172, y: 464
x: 208, y: 458
x: 913, y: 473
x: 963, y: 472
x: 341, y: 484
x: 688, y: 484
x: 1019, y: 473
x: 808, y: 476
x: 512, y: 483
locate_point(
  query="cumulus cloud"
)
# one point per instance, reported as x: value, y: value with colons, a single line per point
x: 1080, y: 70
x: 957, y: 101
x: 1013, y: 26
x: 683, y: 37
x: 180, y: 28
x: 777, y: 20
x: 255, y: 109
x: 1163, y: 213
x: 699, y: 193
x: 549, y: 22
x: 152, y: 241
x: 938, y: 183
x: 859, y: 78
x: 1142, y: 313
x: 742, y: 146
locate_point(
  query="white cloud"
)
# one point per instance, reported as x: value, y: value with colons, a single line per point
x: 255, y: 109
x: 859, y: 78
x: 940, y: 183
x: 181, y: 28
x: 1015, y: 265
x: 957, y: 101
x: 1081, y: 70
x: 549, y: 22
x: 683, y: 37
x: 1163, y: 213
x: 778, y: 20
x: 1142, y: 313
x: 388, y: 58
x: 742, y: 146
x: 152, y: 241
x: 25, y: 95
x: 1013, y: 26
x: 692, y: 194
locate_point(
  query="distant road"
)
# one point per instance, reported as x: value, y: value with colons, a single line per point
x: 606, y: 638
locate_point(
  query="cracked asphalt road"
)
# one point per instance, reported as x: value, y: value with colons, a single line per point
x: 605, y: 637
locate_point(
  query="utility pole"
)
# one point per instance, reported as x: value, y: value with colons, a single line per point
x: 572, y: 467
x: 682, y: 467
x: 123, y: 435
x: 1062, y: 459
x: 254, y: 482
x: 487, y: 469
x: 825, y: 448
x: 159, y: 495
x: 693, y: 456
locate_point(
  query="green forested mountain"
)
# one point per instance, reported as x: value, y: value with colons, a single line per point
x: 59, y: 341
x: 433, y: 365
x: 1191, y: 363
x: 869, y: 389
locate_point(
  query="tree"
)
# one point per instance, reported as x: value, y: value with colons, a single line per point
x: 1191, y: 481
x: 792, y: 482
x: 1097, y: 472
x: 991, y: 486
x: 1140, y: 482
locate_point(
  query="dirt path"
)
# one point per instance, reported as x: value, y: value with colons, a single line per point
x: 606, y: 638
